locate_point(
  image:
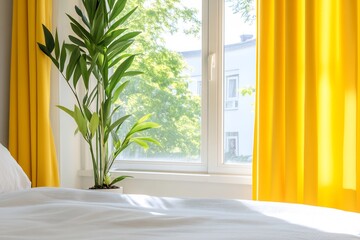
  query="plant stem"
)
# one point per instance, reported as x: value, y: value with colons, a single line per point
x: 96, y: 174
x: 74, y: 92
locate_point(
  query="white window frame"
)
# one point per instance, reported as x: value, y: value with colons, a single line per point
x: 212, y: 134
x: 216, y: 107
x: 199, y: 88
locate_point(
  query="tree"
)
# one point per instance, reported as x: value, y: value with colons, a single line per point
x: 245, y: 7
x: 163, y: 88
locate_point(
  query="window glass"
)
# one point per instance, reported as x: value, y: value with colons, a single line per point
x: 239, y: 80
x: 170, y: 88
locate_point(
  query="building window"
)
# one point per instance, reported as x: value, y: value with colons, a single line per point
x: 189, y: 92
x: 232, y: 91
x: 231, y: 147
x: 232, y: 86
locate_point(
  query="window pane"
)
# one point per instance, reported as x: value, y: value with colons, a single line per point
x: 239, y: 80
x: 170, y: 88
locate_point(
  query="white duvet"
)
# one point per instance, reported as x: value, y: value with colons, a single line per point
x: 48, y: 213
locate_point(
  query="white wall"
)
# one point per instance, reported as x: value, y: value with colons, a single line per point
x: 5, y: 46
x: 67, y: 145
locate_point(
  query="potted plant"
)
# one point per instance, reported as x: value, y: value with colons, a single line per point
x: 96, y: 57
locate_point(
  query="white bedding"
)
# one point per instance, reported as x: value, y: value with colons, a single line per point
x: 49, y: 213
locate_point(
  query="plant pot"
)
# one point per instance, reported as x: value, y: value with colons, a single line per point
x: 119, y: 190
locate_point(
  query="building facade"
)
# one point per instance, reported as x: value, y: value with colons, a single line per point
x: 238, y: 96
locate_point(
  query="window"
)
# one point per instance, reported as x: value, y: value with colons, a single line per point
x: 197, y: 74
x: 232, y: 90
x: 231, y: 147
x: 239, y: 79
x: 232, y: 82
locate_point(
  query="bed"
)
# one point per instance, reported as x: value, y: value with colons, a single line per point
x: 61, y: 213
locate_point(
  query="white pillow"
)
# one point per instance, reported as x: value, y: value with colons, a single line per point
x: 12, y: 177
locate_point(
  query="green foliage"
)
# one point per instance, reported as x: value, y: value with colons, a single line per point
x: 98, y: 43
x: 163, y: 88
x: 245, y: 7
x: 250, y: 90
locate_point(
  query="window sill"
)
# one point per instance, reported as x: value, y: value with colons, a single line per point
x: 186, y: 177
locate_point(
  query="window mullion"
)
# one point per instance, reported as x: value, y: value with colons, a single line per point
x: 204, y: 151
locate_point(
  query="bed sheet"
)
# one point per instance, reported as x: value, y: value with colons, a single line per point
x: 59, y: 213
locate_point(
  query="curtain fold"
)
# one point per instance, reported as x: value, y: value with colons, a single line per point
x: 30, y: 137
x: 307, y: 129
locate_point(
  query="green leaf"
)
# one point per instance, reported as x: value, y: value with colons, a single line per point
x: 71, y: 47
x: 54, y: 61
x: 144, y: 118
x: 94, y: 123
x: 143, y: 126
x: 123, y: 41
x: 114, y: 62
x: 118, y: 74
x: 118, y: 7
x: 118, y: 122
x: 77, y: 41
x: 111, y: 3
x: 62, y: 57
x: 93, y: 62
x: 105, y: 108
x: 77, y: 74
x: 49, y: 40
x: 148, y: 139
x: 98, y: 31
x: 44, y: 49
x: 117, y: 23
x: 85, y: 98
x: 87, y: 112
x: 119, y: 48
x: 119, y: 90
x: 116, y: 140
x: 111, y: 36
x: 90, y: 6
x: 118, y: 179
x: 81, y: 121
x: 100, y: 60
x: 75, y: 55
x: 84, y: 19
x: 78, y: 29
x: 84, y: 71
x: 114, y: 110
x: 105, y: 72
x: 57, y: 46
x: 104, y: 10
x: 68, y: 111
x: 129, y: 35
x: 140, y: 142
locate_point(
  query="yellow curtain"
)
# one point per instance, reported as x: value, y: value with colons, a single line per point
x: 30, y: 137
x: 307, y: 134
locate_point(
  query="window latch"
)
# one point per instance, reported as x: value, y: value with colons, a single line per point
x: 211, y: 66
